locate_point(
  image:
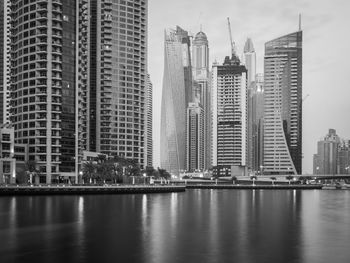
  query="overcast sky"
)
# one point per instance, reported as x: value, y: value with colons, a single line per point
x: 326, y: 44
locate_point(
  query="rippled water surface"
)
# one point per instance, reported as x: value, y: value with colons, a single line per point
x: 195, y: 226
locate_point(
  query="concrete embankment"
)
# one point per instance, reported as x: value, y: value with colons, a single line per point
x: 246, y: 186
x: 77, y: 190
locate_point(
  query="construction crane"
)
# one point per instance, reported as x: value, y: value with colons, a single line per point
x: 231, y: 41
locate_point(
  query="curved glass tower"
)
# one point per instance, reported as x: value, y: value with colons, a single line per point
x: 177, y: 92
x: 283, y: 105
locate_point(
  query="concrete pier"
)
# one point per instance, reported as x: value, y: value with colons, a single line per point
x: 253, y: 187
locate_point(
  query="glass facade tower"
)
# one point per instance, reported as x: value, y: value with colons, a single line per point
x: 176, y: 94
x: 283, y: 105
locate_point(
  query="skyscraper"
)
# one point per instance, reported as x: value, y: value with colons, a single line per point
x: 229, y: 113
x: 283, y: 105
x: 48, y: 81
x: 325, y: 161
x: 176, y: 94
x: 343, y: 162
x: 250, y: 60
x: 250, y: 63
x: 256, y: 98
x: 195, y: 137
x: 149, y: 122
x: 118, y: 78
x: 200, y: 69
x: 5, y: 46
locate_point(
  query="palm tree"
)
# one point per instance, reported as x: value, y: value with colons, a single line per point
x: 273, y: 179
x: 89, y: 170
x: 105, y: 171
x: 289, y: 177
x: 32, y: 169
x: 234, y: 179
x: 253, y: 178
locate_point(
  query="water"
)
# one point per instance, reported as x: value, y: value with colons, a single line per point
x: 195, y: 226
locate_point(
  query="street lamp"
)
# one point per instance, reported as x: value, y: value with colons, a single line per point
x: 144, y: 178
x: 261, y: 170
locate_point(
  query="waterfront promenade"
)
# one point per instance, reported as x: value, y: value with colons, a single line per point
x: 77, y: 190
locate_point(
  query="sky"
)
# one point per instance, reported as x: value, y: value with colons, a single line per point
x: 326, y: 56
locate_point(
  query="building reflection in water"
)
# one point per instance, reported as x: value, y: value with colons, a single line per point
x: 195, y: 226
x: 222, y: 225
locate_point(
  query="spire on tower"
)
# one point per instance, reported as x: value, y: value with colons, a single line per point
x: 299, y: 22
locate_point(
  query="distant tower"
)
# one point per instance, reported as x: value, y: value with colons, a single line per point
x: 325, y: 161
x: 256, y: 99
x: 195, y: 137
x: 250, y: 60
x: 250, y: 63
x: 200, y: 63
x: 283, y: 105
x: 229, y: 113
x: 176, y: 94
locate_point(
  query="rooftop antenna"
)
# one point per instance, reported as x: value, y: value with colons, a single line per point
x: 200, y: 28
x: 299, y: 22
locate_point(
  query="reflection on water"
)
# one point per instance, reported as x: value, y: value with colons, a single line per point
x: 196, y: 226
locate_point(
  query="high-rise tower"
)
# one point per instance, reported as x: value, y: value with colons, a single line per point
x: 176, y: 94
x: 5, y: 45
x: 229, y: 113
x: 200, y: 69
x: 326, y: 159
x: 118, y: 78
x: 250, y: 63
x: 250, y: 60
x: 283, y: 105
x: 195, y: 137
x: 149, y: 122
x: 256, y: 120
x: 49, y: 81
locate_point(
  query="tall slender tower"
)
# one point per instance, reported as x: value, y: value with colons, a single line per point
x: 250, y: 63
x: 229, y: 113
x: 283, y: 105
x: 5, y: 46
x: 256, y: 120
x: 149, y: 122
x: 118, y: 78
x: 195, y: 137
x: 176, y: 94
x: 200, y: 69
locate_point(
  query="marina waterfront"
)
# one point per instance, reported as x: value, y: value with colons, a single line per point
x: 207, y: 225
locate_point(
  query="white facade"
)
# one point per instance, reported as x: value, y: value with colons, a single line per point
x: 229, y: 114
x: 5, y: 48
